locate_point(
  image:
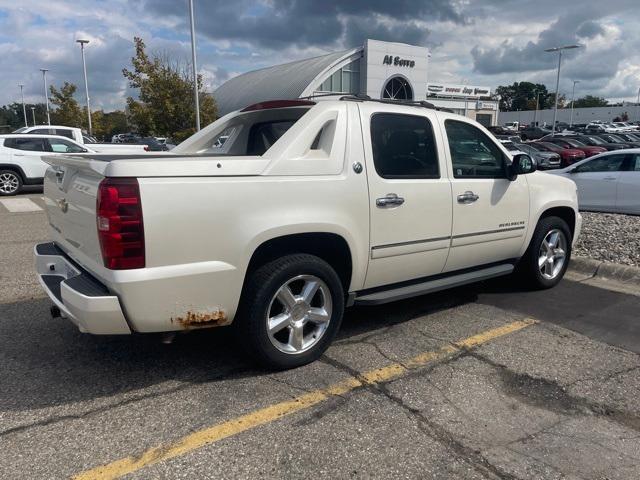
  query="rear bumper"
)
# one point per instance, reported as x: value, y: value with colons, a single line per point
x: 79, y: 296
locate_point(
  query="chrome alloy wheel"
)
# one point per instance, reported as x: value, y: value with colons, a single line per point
x: 9, y: 183
x: 553, y: 254
x: 299, y: 314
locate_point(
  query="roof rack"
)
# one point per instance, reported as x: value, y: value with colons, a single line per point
x: 413, y: 103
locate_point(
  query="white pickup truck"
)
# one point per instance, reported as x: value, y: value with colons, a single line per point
x: 304, y: 209
x: 76, y: 135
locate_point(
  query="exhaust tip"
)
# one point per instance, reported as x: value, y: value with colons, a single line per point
x: 55, y: 311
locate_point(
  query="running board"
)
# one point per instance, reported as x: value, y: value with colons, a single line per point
x: 431, y: 286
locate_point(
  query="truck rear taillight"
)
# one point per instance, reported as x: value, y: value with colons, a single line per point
x: 120, y: 225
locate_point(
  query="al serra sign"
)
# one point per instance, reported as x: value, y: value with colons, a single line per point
x: 445, y: 90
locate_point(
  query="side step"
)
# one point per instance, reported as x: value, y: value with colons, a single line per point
x: 431, y: 286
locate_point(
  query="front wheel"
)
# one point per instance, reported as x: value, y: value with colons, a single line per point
x: 10, y: 182
x: 546, y: 260
x: 290, y: 311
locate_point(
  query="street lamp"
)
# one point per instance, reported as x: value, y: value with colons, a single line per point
x: 46, y: 95
x: 535, y: 113
x: 86, y: 84
x: 24, y: 108
x: 195, y: 68
x: 555, y: 108
x: 33, y: 114
x: 573, y: 97
x: 638, y: 107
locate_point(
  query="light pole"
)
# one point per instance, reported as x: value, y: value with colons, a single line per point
x: 638, y: 107
x: 195, y: 68
x: 555, y: 108
x: 24, y: 108
x: 573, y: 97
x: 46, y: 95
x: 33, y: 114
x: 535, y: 112
x: 86, y: 84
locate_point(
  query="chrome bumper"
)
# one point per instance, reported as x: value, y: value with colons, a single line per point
x: 79, y: 296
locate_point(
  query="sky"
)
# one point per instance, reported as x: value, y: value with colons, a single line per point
x: 477, y: 42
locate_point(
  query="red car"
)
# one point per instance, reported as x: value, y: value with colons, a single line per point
x: 568, y: 156
x: 589, y: 150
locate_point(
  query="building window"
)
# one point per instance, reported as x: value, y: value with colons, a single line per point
x: 398, y: 89
x: 345, y: 80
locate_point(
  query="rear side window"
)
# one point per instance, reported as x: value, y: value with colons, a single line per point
x: 473, y: 154
x: 59, y: 145
x: 29, y: 144
x: 403, y: 146
x: 63, y: 132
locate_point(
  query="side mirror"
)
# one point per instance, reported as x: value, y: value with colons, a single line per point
x: 521, y: 165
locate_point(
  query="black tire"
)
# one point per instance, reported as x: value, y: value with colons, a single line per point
x: 528, y: 268
x: 14, y: 178
x: 260, y: 289
x: 524, y: 137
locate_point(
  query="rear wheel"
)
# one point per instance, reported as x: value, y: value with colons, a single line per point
x: 10, y: 182
x: 546, y: 260
x: 290, y: 311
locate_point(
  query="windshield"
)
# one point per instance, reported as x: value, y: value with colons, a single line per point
x: 616, y: 138
x: 576, y: 143
x: 596, y: 140
x: 20, y: 130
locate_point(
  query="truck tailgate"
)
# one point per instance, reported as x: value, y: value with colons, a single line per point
x: 70, y: 190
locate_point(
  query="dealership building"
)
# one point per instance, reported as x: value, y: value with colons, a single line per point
x: 381, y: 70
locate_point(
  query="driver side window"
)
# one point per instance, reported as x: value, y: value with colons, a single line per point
x: 473, y: 154
x: 403, y: 146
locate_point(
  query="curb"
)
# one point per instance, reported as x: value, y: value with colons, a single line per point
x: 591, y: 268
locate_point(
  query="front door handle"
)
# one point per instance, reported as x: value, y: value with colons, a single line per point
x: 609, y: 178
x: 468, y: 197
x: 389, y: 200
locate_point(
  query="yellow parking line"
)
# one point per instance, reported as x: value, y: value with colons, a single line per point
x: 274, y: 412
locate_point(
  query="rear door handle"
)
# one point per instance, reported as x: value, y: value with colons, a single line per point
x: 609, y: 178
x: 468, y: 197
x: 389, y: 200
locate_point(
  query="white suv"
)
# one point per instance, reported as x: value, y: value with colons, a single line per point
x: 21, y: 158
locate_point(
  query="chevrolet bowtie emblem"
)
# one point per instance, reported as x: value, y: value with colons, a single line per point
x: 63, y: 204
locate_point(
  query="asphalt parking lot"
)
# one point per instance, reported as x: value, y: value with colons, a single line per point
x: 484, y: 381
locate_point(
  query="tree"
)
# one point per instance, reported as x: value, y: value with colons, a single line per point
x: 590, y: 101
x: 67, y: 111
x: 12, y: 118
x: 522, y: 96
x: 165, y: 103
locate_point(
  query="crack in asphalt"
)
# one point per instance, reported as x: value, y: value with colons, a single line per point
x: 551, y: 396
x: 432, y: 430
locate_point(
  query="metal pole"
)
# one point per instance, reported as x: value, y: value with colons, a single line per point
x: 86, y: 84
x: 195, y: 68
x: 33, y: 114
x: 24, y: 107
x: 573, y: 97
x: 535, y: 112
x: 555, y: 107
x: 638, y: 107
x: 46, y: 95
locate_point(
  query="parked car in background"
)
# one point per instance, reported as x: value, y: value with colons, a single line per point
x: 533, y: 133
x: 498, y: 130
x: 568, y: 156
x: 512, y: 126
x: 609, y: 182
x: 589, y: 150
x: 21, y: 158
x: 545, y: 160
x: 152, y: 145
x: 629, y: 136
x: 596, y: 141
x: 78, y: 136
x: 613, y: 138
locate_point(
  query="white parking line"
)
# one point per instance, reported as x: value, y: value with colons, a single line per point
x: 20, y: 205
